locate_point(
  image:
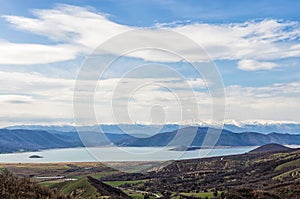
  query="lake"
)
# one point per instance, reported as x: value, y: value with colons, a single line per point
x: 112, y: 154
x: 118, y: 154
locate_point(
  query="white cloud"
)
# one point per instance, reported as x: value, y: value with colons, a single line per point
x: 264, y: 40
x: 13, y: 53
x: 32, y: 98
x: 70, y: 24
x: 81, y: 30
x: 277, y: 102
x: 252, y: 65
x: 197, y: 83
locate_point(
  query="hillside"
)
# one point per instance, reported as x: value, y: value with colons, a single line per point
x: 88, y: 187
x: 259, y: 175
x: 28, y: 140
x: 271, y: 148
x: 22, y: 188
x: 32, y: 140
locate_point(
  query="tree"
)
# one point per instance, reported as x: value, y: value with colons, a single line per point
x: 215, y: 192
x: 146, y: 196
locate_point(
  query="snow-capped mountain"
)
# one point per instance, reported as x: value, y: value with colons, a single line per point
x: 260, y: 126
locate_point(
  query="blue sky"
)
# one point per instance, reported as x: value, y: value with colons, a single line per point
x: 146, y: 14
x: 255, y: 46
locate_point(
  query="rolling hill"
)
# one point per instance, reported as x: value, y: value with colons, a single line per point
x: 271, y: 148
x: 251, y: 175
x: 88, y: 187
x: 15, y: 187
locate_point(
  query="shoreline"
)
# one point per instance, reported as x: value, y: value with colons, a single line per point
x: 80, y: 147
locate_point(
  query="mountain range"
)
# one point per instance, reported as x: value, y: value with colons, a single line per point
x: 195, y: 136
x: 264, y: 127
x: 12, y: 140
x: 32, y: 140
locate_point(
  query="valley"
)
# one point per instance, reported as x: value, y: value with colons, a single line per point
x: 271, y: 174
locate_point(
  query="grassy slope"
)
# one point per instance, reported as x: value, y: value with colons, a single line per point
x: 293, y: 163
x: 265, y: 174
x: 88, y: 187
x: 16, y: 187
x: 201, y: 194
x: 119, y: 183
x: 83, y: 187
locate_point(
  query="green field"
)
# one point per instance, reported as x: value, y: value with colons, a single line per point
x: 201, y: 194
x: 139, y: 196
x: 81, y: 184
x: 294, y: 163
x: 119, y: 183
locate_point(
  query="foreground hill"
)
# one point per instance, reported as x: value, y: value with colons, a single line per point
x: 12, y: 187
x: 22, y: 188
x: 247, y: 176
x: 88, y: 187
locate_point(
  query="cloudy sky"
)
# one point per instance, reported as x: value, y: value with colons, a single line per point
x: 254, y: 46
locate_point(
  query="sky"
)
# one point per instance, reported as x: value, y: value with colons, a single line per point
x: 249, y: 49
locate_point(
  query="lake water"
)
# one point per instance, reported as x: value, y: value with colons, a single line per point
x: 118, y: 154
x: 112, y: 154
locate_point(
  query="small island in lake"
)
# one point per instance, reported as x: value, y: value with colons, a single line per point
x: 187, y: 148
x: 36, y: 156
